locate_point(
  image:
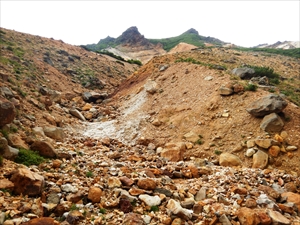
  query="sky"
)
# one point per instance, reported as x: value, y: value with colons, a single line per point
x: 244, y: 23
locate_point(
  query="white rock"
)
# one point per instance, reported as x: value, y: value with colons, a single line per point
x: 176, y: 208
x: 250, y: 152
x: 150, y: 200
x: 146, y: 218
x: 69, y: 188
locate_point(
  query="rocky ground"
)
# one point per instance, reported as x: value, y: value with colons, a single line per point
x: 174, y: 143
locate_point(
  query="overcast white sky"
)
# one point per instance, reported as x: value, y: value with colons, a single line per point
x: 244, y: 23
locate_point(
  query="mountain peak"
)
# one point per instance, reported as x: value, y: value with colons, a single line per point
x: 191, y: 31
x: 131, y: 36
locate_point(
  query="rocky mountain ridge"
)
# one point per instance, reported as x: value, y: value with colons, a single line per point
x: 281, y: 45
x: 179, y: 140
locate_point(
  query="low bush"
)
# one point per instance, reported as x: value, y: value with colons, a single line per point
x: 29, y: 157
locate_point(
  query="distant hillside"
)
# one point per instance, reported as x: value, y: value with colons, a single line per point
x: 132, y: 37
x: 281, y: 45
x: 295, y: 52
x: 190, y: 37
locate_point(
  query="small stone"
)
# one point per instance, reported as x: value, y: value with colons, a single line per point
x: 95, y: 194
x: 147, y: 184
x: 69, y: 188
x: 133, y: 219
x: 114, y: 182
x: 224, y: 220
x: 201, y: 194
x: 126, y: 181
x: 74, y: 217
x: 250, y: 203
x: 250, y: 152
x: 274, y: 151
x: 291, y: 148
x: 150, y: 200
x: 176, y: 209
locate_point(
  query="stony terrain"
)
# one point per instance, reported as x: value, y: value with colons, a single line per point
x: 171, y: 142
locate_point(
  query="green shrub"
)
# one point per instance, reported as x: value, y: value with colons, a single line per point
x: 218, y: 152
x: 4, y: 133
x: 73, y: 207
x: 154, y: 208
x: 89, y: 174
x: 102, y: 210
x: 251, y: 87
x: 29, y: 157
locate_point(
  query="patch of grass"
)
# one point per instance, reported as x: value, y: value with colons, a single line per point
x: 73, y: 207
x: 102, y: 210
x: 218, y: 152
x: 194, y: 61
x: 251, y: 87
x: 154, y: 208
x: 29, y: 157
x: 199, y: 141
x: 4, y: 133
x: 89, y: 174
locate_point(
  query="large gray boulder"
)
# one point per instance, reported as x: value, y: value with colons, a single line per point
x: 271, y: 103
x: 272, y: 123
x: 244, y: 73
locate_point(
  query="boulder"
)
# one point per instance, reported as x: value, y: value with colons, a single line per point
x: 27, y: 182
x: 244, y: 73
x: 271, y: 103
x: 151, y: 87
x: 93, y: 96
x: 272, y: 123
x: 77, y: 114
x: 278, y: 218
x: 150, y: 200
x: 16, y: 141
x: 44, y: 148
x: 228, y: 159
x: 292, y: 197
x: 55, y: 133
x: 7, y: 112
x: 225, y: 90
x: 260, y: 160
x: 191, y: 136
x: 6, y: 184
x: 173, y: 151
x: 6, y: 151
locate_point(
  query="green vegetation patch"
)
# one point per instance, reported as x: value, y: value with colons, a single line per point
x: 295, y: 53
x: 29, y: 157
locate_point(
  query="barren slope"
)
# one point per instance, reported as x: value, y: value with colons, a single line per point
x: 185, y: 101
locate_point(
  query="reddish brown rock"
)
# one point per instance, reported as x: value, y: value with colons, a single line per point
x: 292, y: 197
x: 147, y: 184
x: 250, y: 203
x: 126, y: 181
x: 269, y: 191
x: 95, y: 194
x: 274, y: 150
x: 44, y: 148
x: 6, y: 184
x: 7, y: 112
x: 42, y: 221
x: 264, y: 218
x: 173, y: 151
x: 74, y: 217
x: 27, y: 182
x: 247, y: 216
x: 16, y: 141
x: 133, y: 219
